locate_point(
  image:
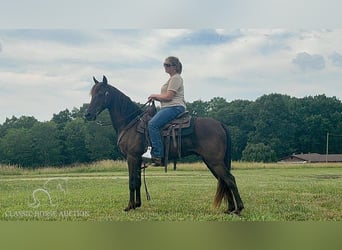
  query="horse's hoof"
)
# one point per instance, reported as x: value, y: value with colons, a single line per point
x: 234, y: 212
x: 228, y: 212
x: 129, y: 208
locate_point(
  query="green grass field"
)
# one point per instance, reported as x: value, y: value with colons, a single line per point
x: 99, y: 192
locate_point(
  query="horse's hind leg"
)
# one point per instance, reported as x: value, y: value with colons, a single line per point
x: 229, y: 195
x: 231, y: 183
x: 228, y: 192
x: 231, y: 191
x: 231, y: 203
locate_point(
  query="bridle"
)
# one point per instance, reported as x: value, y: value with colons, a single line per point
x: 103, y: 124
x: 134, y: 120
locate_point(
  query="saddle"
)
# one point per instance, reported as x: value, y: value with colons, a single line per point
x: 175, y: 130
x: 175, y: 127
x: 181, y: 126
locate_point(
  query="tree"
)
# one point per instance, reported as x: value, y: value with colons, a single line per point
x: 267, y: 129
x: 16, y: 141
x: 62, y: 118
x: 46, y: 144
x: 258, y: 153
x: 101, y: 140
x: 16, y: 147
x: 79, y: 113
x: 239, y: 141
x: 335, y: 138
x: 273, y: 124
x: 215, y: 107
x: 198, y: 108
x: 315, y: 117
x: 75, y: 149
x: 26, y: 122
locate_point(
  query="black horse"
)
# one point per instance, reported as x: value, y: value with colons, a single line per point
x: 210, y: 140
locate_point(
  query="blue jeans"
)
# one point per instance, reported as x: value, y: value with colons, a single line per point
x: 158, y: 121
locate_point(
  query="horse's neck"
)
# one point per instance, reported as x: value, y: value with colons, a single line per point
x: 117, y: 119
x: 122, y: 111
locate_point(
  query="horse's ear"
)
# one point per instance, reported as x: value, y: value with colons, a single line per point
x: 104, y: 80
x: 96, y: 81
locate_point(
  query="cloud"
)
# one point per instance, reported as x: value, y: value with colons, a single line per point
x: 44, y: 72
x: 156, y: 14
x: 336, y: 59
x: 305, y: 61
x: 205, y: 37
x: 276, y: 41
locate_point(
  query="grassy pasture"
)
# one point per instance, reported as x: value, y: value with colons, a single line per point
x: 99, y: 192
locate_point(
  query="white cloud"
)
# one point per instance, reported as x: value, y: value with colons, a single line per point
x: 336, y: 59
x: 305, y: 61
x: 44, y: 72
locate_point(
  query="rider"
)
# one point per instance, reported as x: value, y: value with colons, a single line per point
x: 172, y: 102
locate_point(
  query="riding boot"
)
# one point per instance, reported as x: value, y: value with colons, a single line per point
x: 157, y: 162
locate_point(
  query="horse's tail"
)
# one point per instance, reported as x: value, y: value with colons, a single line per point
x: 228, y: 154
x: 221, y: 193
x: 222, y: 188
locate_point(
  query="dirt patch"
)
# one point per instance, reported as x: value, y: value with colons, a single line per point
x: 326, y: 176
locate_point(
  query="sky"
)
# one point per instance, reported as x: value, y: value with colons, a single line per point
x: 46, y: 67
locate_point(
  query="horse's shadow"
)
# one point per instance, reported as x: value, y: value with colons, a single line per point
x: 51, y: 191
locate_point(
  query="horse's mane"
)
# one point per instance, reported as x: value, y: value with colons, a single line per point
x: 122, y: 102
x: 127, y: 107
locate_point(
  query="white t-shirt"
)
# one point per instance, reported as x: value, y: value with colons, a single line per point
x: 175, y: 84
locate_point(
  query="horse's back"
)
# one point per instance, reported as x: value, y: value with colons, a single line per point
x: 210, y: 137
x: 206, y: 126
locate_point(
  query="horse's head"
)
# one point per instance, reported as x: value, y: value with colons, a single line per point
x: 99, y: 99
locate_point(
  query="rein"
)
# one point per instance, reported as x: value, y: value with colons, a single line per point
x: 103, y: 124
x: 133, y: 121
x: 148, y: 197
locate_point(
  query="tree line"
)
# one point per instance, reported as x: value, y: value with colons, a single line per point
x: 265, y: 130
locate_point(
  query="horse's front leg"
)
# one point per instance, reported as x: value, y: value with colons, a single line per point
x: 134, y: 171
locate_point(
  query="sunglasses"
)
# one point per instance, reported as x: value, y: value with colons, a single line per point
x: 168, y: 65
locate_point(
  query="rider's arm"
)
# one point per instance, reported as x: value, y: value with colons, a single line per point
x: 168, y: 96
